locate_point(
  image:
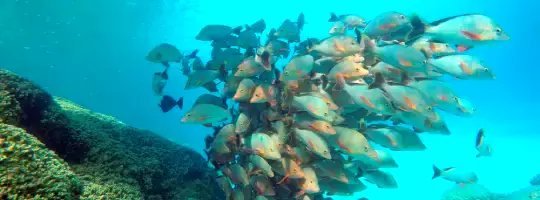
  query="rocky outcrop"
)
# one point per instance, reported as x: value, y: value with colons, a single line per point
x: 111, y: 159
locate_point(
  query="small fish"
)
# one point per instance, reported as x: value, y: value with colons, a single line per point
x: 401, y: 56
x: 313, y: 143
x: 257, y: 27
x: 262, y: 186
x: 316, y: 107
x: 306, y: 121
x: 224, y: 185
x: 348, y: 70
x: 205, y: 114
x: 168, y: 103
x: 216, y: 32
x: 201, y: 77
x: 245, y: 90
x: 339, y: 46
x: 165, y: 53
x: 262, y: 164
x: 386, y: 23
x: 242, y: 123
x: 466, y: 30
x: 301, y: 21
x: 396, y: 138
x: 248, y: 39
x: 239, y: 175
x: 158, y: 83
x: 352, y: 143
x: 454, y: 174
x: 338, y: 28
x: 288, y: 31
x: 482, y: 145
x: 463, y: 66
x: 297, y: 68
x: 381, y: 178
x: 350, y: 21
x: 264, y: 93
x: 431, y: 48
x: 250, y: 67
x: 372, y: 100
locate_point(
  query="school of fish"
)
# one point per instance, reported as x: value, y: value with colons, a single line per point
x: 318, y: 125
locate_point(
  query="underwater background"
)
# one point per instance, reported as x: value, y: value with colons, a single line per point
x: 92, y: 53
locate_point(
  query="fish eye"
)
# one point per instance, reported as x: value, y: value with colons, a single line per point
x: 486, y: 69
x: 325, y: 114
x: 327, y: 126
x: 498, y: 30
x: 272, y: 149
x: 241, y: 90
x: 286, y: 73
x: 366, y: 149
x: 310, y: 181
x: 189, y: 115
x: 357, y: 70
x: 474, y: 109
x: 294, y: 170
x: 424, y: 62
x: 401, y: 16
x: 257, y: 95
x: 456, y: 98
x: 430, y: 108
x: 447, y: 45
x: 241, y: 70
x: 325, y: 151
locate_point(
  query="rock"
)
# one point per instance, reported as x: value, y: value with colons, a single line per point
x: 28, y: 170
x: 470, y: 192
x: 114, y: 160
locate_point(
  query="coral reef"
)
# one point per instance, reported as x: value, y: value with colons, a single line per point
x: 535, y: 180
x: 528, y: 193
x: 112, y: 159
x: 28, y: 170
x: 470, y: 192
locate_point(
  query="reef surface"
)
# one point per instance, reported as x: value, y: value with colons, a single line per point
x: 55, y: 149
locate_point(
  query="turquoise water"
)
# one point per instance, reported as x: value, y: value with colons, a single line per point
x: 92, y: 52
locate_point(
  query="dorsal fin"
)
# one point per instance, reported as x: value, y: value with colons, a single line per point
x: 440, y: 21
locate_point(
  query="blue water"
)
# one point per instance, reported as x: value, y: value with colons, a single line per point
x: 92, y: 52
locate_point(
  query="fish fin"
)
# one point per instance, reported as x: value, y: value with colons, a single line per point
x: 419, y: 27
x: 180, y: 103
x: 405, y: 79
x: 479, y: 138
x: 333, y: 17
x: 478, y: 155
x: 340, y: 83
x: 193, y: 54
x: 378, y: 82
x: 237, y: 30
x: 436, y: 172
x: 440, y: 21
x: 359, y: 35
x: 463, y: 48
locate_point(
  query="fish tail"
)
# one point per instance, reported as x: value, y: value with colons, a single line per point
x: 363, y: 124
x: 333, y: 17
x: 405, y: 79
x: 237, y: 30
x: 419, y: 27
x: 193, y: 54
x: 378, y: 82
x: 340, y: 83
x: 180, y: 103
x: 436, y: 172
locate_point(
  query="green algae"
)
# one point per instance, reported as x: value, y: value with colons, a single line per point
x: 28, y: 170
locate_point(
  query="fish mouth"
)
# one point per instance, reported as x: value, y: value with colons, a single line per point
x: 504, y: 36
x: 183, y: 119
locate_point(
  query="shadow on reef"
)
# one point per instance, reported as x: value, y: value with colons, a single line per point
x: 97, y: 156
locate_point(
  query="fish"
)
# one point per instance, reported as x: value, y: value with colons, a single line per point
x: 465, y: 31
x: 339, y: 46
x: 257, y: 27
x: 350, y: 21
x: 396, y: 138
x: 158, y: 83
x: 301, y: 21
x: 245, y: 90
x: 216, y: 32
x: 297, y: 68
x: 482, y: 145
x: 434, y: 123
x: 264, y: 93
x: 311, y: 182
x: 225, y: 41
x: 370, y: 99
x: 225, y: 185
x: 386, y: 23
x: 165, y: 53
x: 242, y: 123
x: 200, y: 78
x: 401, y: 56
x: 205, y: 114
x: 381, y: 178
x: 334, y: 187
x: 288, y: 31
x: 239, y: 175
x: 262, y: 164
x: 455, y: 174
x: 352, y: 142
x: 316, y: 107
x: 350, y: 71
x: 405, y: 98
x: 262, y: 186
x: 211, y: 99
x: 439, y: 92
x: 431, y: 48
x: 306, y: 121
x: 168, y: 103
x: 264, y: 146
x: 338, y: 28
x: 248, y: 39
x: 465, y: 67
x: 250, y: 67
x: 313, y: 142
